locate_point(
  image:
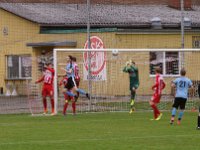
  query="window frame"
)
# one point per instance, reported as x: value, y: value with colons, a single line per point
x: 19, y: 67
x: 164, y: 66
x: 195, y: 41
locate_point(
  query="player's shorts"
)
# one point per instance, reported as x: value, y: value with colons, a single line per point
x: 47, y: 90
x: 67, y: 97
x: 70, y: 83
x: 179, y: 102
x: 156, y: 98
x: 134, y: 85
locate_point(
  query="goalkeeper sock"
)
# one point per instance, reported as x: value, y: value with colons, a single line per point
x: 132, y: 102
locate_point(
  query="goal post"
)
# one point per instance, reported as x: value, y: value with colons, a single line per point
x: 110, y: 87
x: 55, y: 81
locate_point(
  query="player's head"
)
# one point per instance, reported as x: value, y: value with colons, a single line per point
x: 69, y: 58
x: 48, y: 64
x: 157, y: 69
x: 183, y: 72
x: 74, y: 59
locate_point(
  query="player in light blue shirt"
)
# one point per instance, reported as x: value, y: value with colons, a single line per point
x: 181, y: 84
x: 70, y: 70
x: 71, y: 84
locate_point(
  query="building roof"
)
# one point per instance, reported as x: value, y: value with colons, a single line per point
x: 101, y: 15
x: 53, y: 43
x: 137, y: 2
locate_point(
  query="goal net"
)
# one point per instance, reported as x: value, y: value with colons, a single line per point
x: 108, y: 85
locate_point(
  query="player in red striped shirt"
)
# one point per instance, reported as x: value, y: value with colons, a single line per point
x: 157, y: 87
x: 67, y: 97
x: 47, y: 89
x: 76, y: 73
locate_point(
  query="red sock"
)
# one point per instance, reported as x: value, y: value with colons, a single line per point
x: 65, y: 108
x: 52, y: 105
x: 74, y: 107
x: 155, y: 110
x: 45, y: 104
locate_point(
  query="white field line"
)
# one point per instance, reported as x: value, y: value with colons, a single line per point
x: 94, y: 139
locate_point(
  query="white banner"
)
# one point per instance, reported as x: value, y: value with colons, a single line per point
x: 98, y: 60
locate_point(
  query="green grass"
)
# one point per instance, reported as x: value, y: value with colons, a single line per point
x: 100, y: 131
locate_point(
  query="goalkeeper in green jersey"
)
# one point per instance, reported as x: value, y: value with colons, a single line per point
x: 132, y: 70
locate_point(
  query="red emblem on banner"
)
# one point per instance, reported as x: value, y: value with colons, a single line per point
x: 97, y: 58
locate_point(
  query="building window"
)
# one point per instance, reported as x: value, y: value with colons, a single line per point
x: 196, y: 42
x: 167, y: 61
x: 19, y: 67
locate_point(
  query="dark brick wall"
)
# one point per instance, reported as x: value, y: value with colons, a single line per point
x: 177, y: 4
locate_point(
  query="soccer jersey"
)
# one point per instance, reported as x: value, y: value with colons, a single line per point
x: 159, y: 84
x: 133, y: 76
x: 63, y: 81
x: 76, y: 71
x: 48, y: 77
x: 182, y: 85
x: 68, y: 67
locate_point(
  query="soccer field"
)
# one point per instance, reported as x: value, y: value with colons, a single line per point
x: 99, y: 131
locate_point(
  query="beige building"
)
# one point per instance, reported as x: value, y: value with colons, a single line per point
x: 30, y: 32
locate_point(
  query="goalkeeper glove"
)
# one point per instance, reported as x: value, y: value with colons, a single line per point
x: 127, y: 63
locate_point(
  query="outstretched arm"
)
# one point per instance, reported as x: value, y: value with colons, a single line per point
x: 154, y: 86
x: 127, y: 67
x: 67, y: 71
x: 61, y: 81
x: 173, y: 84
x: 163, y: 84
x: 40, y: 80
